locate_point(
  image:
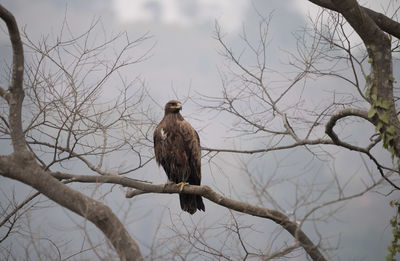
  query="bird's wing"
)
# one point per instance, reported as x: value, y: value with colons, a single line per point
x: 157, y: 138
x: 192, y: 149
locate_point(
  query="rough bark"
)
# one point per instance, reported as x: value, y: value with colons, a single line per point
x: 15, y: 94
x: 381, y: 79
x: 206, y: 192
x: 371, y: 27
x: 21, y: 164
x: 22, y: 167
x: 385, y: 23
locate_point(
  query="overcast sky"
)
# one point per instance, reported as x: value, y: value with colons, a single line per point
x: 185, y: 61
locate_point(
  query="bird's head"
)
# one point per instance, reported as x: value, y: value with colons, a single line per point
x: 173, y: 107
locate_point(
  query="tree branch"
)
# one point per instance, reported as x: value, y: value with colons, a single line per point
x: 211, y: 195
x: 19, y: 207
x: 385, y: 23
x: 22, y: 167
x: 342, y: 114
x: 380, y: 81
x: 16, y: 86
x: 360, y: 113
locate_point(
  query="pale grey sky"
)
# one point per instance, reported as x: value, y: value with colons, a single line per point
x: 185, y: 60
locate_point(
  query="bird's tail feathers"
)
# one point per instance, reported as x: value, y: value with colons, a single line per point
x: 191, y: 203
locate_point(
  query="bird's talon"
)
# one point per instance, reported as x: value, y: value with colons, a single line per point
x: 181, y: 185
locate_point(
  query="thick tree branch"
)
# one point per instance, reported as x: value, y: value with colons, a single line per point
x: 211, y: 195
x: 385, y: 23
x: 342, y: 114
x: 22, y: 167
x: 380, y: 81
x: 16, y: 86
x: 331, y: 133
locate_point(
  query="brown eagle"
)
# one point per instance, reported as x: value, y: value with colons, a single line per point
x: 177, y: 149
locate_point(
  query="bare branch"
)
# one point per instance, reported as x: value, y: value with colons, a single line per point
x: 25, y: 170
x: 342, y: 114
x: 18, y: 208
x: 208, y: 193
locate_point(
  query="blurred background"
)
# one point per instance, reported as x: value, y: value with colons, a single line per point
x: 175, y: 50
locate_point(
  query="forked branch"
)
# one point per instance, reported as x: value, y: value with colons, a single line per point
x: 205, y: 191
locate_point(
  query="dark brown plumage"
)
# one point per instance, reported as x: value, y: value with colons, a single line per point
x: 177, y: 149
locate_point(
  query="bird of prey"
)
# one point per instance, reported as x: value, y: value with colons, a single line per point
x: 177, y: 150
